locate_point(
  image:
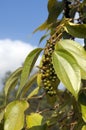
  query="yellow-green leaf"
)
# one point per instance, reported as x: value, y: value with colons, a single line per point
x: 83, y: 111
x: 67, y: 71
x: 12, y: 80
x: 39, y: 79
x: 35, y: 121
x: 77, y: 51
x: 27, y: 67
x: 14, y: 115
x: 34, y: 92
x: 84, y: 127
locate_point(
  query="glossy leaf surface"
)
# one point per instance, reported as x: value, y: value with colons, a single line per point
x: 67, y: 71
x: 35, y: 122
x: 77, y: 51
x: 14, y: 115
x: 28, y: 66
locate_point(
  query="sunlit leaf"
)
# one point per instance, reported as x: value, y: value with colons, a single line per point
x: 76, y: 30
x: 35, y: 122
x: 28, y: 66
x: 34, y: 92
x: 77, y: 51
x: 39, y: 79
x: 84, y: 127
x: 67, y: 71
x: 14, y: 115
x: 12, y: 80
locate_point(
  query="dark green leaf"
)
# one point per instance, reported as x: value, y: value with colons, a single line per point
x: 14, y: 115
x: 12, y: 80
x: 76, y: 30
x: 54, y: 8
x: 1, y: 115
x: 51, y: 4
x: 28, y: 66
x: 67, y: 71
x: 82, y: 98
x: 82, y: 101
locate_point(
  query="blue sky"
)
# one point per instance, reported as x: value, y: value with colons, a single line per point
x: 18, y: 19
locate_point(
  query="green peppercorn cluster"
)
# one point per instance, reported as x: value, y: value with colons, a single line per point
x: 48, y: 74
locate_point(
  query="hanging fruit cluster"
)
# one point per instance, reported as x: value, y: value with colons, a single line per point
x: 49, y: 77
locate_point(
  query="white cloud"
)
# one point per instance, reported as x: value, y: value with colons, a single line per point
x: 12, y: 54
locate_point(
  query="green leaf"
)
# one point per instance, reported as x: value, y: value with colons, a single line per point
x: 76, y: 30
x: 43, y: 37
x: 14, y: 115
x: 67, y: 71
x: 83, y: 111
x: 54, y: 9
x: 51, y: 4
x: 30, y: 82
x: 82, y: 101
x: 39, y: 79
x: 42, y: 27
x: 34, y: 119
x: 77, y: 51
x: 35, y: 122
x: 84, y: 127
x: 1, y: 115
x: 28, y: 66
x: 34, y: 92
x: 12, y: 80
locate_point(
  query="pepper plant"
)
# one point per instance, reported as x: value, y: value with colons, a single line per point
x: 63, y: 61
